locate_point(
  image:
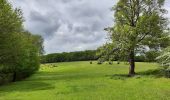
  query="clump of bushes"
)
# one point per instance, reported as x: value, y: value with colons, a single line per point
x: 100, y: 61
x: 91, y: 62
x: 55, y: 66
x: 167, y: 73
x: 110, y: 63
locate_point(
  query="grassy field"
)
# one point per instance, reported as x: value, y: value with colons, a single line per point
x: 82, y: 81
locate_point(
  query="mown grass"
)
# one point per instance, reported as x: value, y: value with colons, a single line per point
x: 85, y: 81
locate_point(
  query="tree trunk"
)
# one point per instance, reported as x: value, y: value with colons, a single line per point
x: 132, y: 63
x: 14, y: 77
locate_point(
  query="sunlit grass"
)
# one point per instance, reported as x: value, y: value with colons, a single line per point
x: 85, y: 81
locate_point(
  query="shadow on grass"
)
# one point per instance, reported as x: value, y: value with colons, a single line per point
x: 53, y: 76
x: 26, y: 87
x: 156, y: 73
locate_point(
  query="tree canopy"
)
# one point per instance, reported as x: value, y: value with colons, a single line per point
x: 138, y: 24
x: 19, y: 49
x: 71, y: 56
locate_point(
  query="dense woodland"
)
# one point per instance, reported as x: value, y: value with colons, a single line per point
x: 70, y: 56
x: 19, y: 49
x: 90, y: 55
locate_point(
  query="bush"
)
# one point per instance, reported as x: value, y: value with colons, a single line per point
x: 91, y: 62
x: 99, y: 63
x: 110, y: 63
x: 167, y: 73
x: 140, y: 58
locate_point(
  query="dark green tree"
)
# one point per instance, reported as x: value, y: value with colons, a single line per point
x: 10, y: 25
x: 19, y: 49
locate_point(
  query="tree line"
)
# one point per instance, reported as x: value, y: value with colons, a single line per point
x: 19, y: 49
x: 90, y: 55
x: 70, y: 56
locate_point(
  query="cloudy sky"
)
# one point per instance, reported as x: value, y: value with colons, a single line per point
x: 69, y: 25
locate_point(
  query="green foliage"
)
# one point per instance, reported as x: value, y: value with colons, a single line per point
x: 164, y: 58
x: 138, y: 24
x: 19, y: 49
x: 67, y: 57
x: 107, y: 52
x: 151, y: 56
x: 140, y: 58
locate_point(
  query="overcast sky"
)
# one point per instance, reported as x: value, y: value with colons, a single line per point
x: 69, y: 25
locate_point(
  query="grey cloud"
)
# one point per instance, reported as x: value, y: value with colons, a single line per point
x: 46, y: 24
x: 38, y: 17
x: 67, y: 25
x: 68, y: 1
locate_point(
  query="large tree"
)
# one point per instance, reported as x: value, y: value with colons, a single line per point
x: 10, y: 27
x: 19, y: 49
x: 138, y: 24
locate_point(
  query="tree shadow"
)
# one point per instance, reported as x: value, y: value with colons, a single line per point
x: 41, y: 81
x: 118, y: 76
x: 155, y: 73
x: 26, y: 86
x: 53, y: 76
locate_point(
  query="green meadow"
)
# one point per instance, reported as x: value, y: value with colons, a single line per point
x: 85, y: 81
